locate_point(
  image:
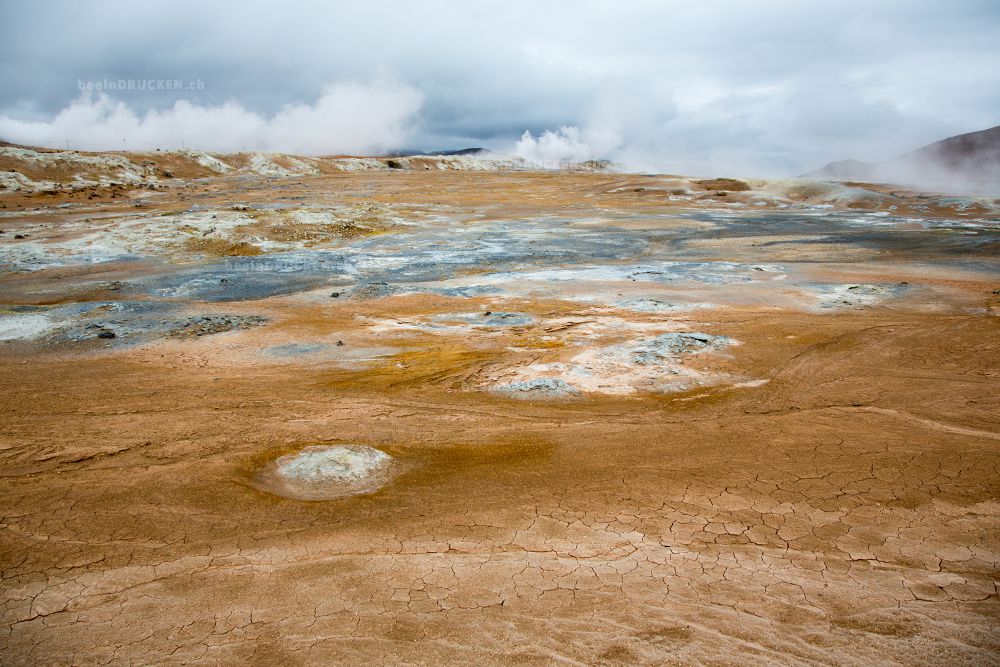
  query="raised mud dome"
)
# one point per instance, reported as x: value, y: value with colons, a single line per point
x: 324, y: 472
x: 544, y: 387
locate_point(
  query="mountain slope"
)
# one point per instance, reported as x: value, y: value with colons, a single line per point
x: 965, y: 162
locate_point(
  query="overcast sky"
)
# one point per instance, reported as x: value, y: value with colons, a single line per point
x: 770, y: 87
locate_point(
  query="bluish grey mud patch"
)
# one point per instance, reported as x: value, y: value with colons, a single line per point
x: 667, y: 347
x: 658, y: 306
x: 854, y: 296
x: 438, y: 253
x: 122, y: 323
x: 575, y: 259
x: 346, y: 356
x: 250, y: 278
x: 656, y: 272
x: 875, y: 230
x: 487, y: 319
x: 296, y: 349
x: 548, y: 388
x: 467, y: 292
x: 404, y: 262
x: 653, y: 364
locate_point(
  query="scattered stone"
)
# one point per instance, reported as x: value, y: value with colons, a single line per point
x: 374, y: 290
x: 206, y: 325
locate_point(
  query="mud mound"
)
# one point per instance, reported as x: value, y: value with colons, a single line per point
x: 727, y: 184
x: 323, y: 473
x: 222, y: 247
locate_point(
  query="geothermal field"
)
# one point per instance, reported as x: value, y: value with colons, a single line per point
x: 259, y: 408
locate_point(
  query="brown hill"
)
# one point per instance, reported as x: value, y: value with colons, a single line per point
x: 967, y: 162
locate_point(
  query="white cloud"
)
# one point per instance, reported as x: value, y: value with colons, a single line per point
x: 347, y: 118
x: 751, y: 87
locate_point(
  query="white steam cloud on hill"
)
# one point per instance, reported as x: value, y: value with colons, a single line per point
x: 347, y: 118
x: 563, y: 144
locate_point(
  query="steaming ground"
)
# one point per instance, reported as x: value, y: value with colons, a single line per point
x: 266, y: 408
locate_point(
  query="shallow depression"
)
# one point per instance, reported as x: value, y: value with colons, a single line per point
x: 323, y: 472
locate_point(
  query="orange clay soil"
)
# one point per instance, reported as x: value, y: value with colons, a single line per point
x: 844, y: 512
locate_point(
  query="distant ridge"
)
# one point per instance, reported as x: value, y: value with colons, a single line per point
x: 967, y: 161
x: 460, y: 151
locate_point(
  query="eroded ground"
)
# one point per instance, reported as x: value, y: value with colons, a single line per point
x: 628, y: 420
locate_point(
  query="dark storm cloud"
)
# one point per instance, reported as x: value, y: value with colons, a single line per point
x: 755, y: 87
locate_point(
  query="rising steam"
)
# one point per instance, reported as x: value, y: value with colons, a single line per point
x: 347, y: 118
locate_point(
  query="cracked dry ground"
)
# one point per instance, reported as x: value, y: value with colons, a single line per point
x: 846, y: 512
